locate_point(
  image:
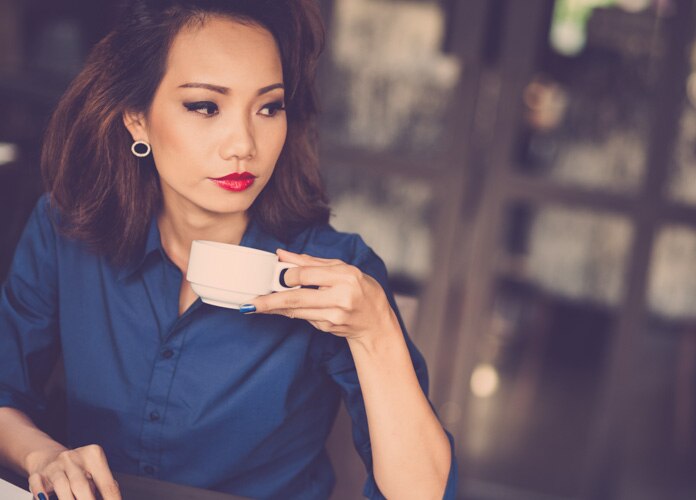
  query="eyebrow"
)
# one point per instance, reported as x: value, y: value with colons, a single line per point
x: 224, y: 90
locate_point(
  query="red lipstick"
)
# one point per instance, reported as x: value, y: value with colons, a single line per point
x: 236, y: 181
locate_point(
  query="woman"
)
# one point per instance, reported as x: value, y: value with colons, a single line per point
x: 192, y: 120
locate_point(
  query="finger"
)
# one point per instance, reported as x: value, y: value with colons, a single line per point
x: 61, y: 485
x: 79, y: 482
x: 97, y: 465
x: 328, y: 318
x: 306, y: 314
x: 304, y: 259
x: 92, y: 486
x: 293, y: 299
x: 324, y: 326
x: 36, y: 486
x: 316, y: 275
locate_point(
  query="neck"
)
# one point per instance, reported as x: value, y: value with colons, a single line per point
x: 178, y: 228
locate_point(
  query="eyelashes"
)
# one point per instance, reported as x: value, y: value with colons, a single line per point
x: 273, y: 108
x: 209, y: 109
x: 208, y: 106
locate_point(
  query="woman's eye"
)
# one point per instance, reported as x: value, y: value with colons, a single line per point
x: 272, y: 109
x: 205, y: 108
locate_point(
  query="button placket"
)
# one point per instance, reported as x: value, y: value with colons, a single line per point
x: 156, y: 403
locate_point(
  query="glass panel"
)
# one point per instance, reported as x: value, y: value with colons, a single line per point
x: 672, y: 285
x: 682, y: 183
x: 386, y: 212
x: 661, y: 443
x: 534, y: 393
x: 538, y: 377
x: 576, y: 254
x: 586, y: 120
x: 389, y: 84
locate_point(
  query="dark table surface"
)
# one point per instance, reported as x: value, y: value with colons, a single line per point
x: 142, y: 488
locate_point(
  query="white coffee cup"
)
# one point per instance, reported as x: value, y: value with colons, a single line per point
x: 228, y: 275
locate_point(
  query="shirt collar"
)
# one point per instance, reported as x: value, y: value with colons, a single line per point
x: 254, y: 237
x: 152, y: 244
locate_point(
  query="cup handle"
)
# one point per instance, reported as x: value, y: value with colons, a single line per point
x: 278, y: 282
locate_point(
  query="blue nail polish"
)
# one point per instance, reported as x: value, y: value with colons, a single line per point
x: 247, y: 308
x: 42, y: 496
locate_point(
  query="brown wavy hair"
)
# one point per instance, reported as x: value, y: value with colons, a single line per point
x: 103, y: 194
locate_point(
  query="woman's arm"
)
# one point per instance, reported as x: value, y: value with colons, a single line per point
x: 411, y: 453
x: 29, y: 346
x: 410, y: 450
x: 19, y: 437
x: 49, y: 465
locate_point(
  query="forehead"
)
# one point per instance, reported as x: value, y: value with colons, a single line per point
x: 223, y: 51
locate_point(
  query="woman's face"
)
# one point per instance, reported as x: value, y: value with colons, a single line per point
x: 219, y: 110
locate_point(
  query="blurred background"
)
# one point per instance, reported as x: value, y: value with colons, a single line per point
x: 527, y: 170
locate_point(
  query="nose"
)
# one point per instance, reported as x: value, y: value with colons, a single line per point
x: 238, y: 141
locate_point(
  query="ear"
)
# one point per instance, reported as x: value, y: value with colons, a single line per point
x: 136, y: 125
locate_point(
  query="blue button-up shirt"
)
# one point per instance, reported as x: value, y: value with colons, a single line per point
x: 211, y: 398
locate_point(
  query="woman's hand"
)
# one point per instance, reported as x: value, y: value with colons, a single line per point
x: 72, y: 474
x: 347, y: 303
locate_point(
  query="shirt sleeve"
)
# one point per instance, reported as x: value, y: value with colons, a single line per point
x: 341, y: 368
x: 29, y: 341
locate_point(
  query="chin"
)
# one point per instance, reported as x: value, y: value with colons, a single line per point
x: 227, y: 205
x: 225, y: 208
x: 216, y: 201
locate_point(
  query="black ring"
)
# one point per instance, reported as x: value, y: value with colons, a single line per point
x: 281, y: 278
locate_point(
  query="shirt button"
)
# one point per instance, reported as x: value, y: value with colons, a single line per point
x: 149, y: 470
x: 154, y: 416
x: 167, y: 354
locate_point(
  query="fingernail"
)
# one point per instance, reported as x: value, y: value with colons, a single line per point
x: 42, y: 496
x: 247, y: 308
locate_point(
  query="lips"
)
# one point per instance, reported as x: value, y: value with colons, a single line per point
x: 236, y: 181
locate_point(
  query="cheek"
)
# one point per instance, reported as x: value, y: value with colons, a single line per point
x: 175, y: 139
x: 175, y: 150
x: 277, y: 139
